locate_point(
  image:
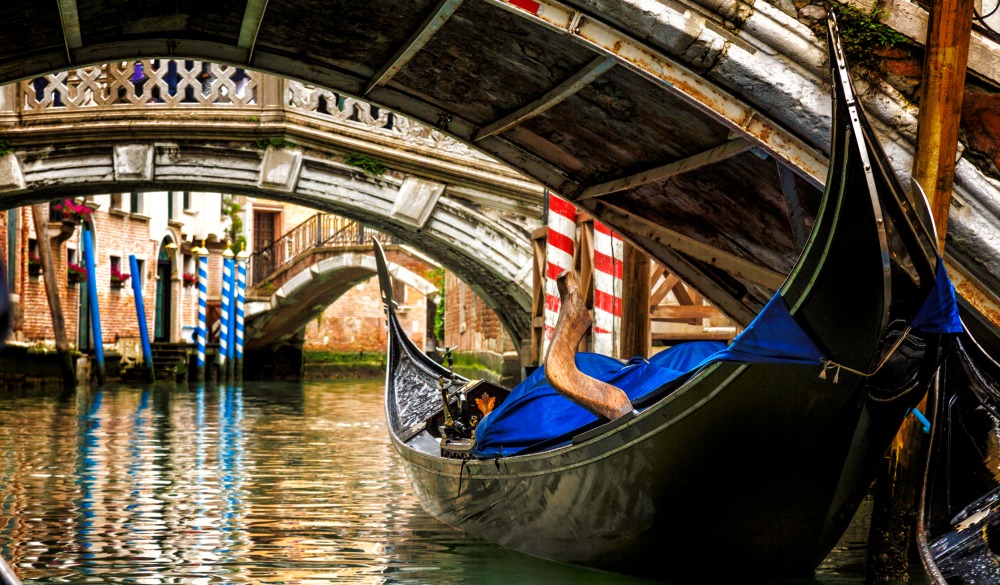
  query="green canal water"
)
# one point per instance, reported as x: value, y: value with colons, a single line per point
x: 267, y: 483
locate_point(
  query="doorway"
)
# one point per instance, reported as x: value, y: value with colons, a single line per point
x: 164, y: 276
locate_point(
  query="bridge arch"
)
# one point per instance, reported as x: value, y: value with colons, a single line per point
x: 487, y: 248
x: 303, y: 296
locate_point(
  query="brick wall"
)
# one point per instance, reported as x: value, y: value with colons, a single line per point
x: 355, y: 321
x: 469, y: 323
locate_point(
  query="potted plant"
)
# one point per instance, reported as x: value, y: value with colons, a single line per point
x: 190, y: 279
x: 119, y: 278
x: 34, y: 264
x: 72, y: 213
x: 76, y: 273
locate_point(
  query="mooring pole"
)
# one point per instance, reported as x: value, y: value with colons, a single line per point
x: 52, y: 292
x: 231, y: 358
x: 140, y: 313
x: 241, y: 291
x: 95, y: 311
x: 227, y: 273
x: 202, y: 255
x: 942, y: 90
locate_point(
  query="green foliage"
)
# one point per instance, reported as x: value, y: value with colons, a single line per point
x: 861, y: 32
x: 5, y: 147
x: 369, y: 165
x: 265, y: 143
x: 344, y: 357
x: 439, y: 313
x: 234, y: 233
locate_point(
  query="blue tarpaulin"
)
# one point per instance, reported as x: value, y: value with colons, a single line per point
x: 534, y: 412
x: 939, y: 313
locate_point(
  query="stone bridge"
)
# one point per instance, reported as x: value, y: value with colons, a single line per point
x: 309, y: 268
x: 674, y: 121
x: 98, y: 130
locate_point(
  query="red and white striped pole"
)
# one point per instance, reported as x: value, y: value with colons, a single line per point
x: 608, y: 250
x: 559, y: 246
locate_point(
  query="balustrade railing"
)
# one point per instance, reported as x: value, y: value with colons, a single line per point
x: 321, y: 230
x: 178, y: 83
x: 148, y: 82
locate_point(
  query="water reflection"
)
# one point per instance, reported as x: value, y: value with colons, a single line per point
x: 265, y: 483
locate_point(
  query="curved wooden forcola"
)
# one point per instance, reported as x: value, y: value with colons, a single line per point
x: 598, y: 397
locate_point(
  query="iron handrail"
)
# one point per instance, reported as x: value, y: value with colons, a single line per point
x: 320, y: 230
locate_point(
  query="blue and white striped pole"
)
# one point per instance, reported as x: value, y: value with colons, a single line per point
x: 202, y: 255
x: 224, y: 320
x: 241, y: 291
x: 231, y: 355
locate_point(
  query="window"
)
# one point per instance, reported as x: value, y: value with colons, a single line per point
x: 71, y: 255
x: 187, y: 200
x: 140, y: 268
x: 117, y: 201
x: 116, y: 264
x: 170, y: 205
x: 134, y: 200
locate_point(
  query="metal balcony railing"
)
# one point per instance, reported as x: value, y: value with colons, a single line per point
x: 319, y: 231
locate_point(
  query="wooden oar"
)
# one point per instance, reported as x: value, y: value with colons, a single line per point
x: 598, y: 397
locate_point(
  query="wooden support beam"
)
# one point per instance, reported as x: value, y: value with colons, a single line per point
x: 942, y: 90
x: 685, y: 312
x: 252, y: 17
x: 635, y: 335
x: 683, y: 295
x: 578, y: 81
x: 719, y: 153
x: 434, y: 21
x: 678, y: 337
x: 69, y: 17
x: 731, y: 263
x: 659, y: 293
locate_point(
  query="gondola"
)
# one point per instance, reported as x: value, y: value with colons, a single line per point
x: 958, y: 528
x: 749, y: 464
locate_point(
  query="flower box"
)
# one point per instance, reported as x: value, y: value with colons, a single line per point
x: 118, y: 278
x: 75, y: 273
x: 72, y: 213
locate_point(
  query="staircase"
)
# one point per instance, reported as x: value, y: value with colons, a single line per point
x: 322, y: 230
x: 170, y: 361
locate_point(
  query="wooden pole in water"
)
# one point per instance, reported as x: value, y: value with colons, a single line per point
x: 942, y: 90
x: 52, y: 292
x: 635, y: 336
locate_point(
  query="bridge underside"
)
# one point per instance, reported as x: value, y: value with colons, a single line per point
x: 695, y: 128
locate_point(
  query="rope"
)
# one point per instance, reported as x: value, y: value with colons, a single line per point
x: 832, y: 365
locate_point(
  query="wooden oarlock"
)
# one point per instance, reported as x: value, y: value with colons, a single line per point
x: 574, y: 322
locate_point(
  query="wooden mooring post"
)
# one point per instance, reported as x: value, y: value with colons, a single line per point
x: 52, y: 292
x: 942, y: 90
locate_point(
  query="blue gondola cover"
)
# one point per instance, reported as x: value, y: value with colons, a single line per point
x: 534, y: 412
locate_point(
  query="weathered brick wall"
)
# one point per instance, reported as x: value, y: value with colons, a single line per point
x: 476, y: 328
x: 355, y: 322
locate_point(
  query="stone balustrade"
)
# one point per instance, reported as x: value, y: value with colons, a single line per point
x: 183, y: 85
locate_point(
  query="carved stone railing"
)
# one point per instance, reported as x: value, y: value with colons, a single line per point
x: 169, y: 84
x: 152, y: 82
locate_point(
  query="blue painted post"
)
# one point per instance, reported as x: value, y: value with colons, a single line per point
x: 95, y: 311
x: 224, y: 320
x: 202, y: 255
x: 140, y: 312
x: 241, y: 290
x: 231, y: 357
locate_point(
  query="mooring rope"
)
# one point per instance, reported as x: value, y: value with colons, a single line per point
x: 830, y: 364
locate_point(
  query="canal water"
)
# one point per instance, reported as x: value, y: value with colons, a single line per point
x: 266, y: 483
